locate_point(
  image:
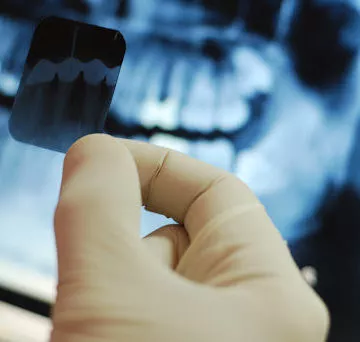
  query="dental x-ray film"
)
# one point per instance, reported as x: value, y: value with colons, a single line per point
x: 67, y: 84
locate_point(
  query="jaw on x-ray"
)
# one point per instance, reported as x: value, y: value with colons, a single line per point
x: 285, y: 129
x: 248, y: 94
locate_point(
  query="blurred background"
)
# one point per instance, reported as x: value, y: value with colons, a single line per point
x: 266, y: 89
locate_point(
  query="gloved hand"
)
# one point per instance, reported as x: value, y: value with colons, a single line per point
x: 222, y: 274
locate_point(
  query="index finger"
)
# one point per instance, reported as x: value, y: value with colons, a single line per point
x: 218, y: 211
x: 171, y: 183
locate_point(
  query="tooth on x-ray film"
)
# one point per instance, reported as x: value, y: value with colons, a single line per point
x: 68, y: 83
x: 68, y: 70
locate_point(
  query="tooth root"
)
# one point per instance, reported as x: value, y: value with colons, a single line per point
x: 112, y: 76
x: 142, y: 81
x: 133, y: 61
x: 25, y: 118
x: 198, y: 113
x: 154, y: 112
x: 43, y: 72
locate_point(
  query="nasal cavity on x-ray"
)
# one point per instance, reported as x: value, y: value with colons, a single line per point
x: 67, y: 84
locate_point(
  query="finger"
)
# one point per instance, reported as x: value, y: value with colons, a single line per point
x: 97, y: 219
x: 168, y: 244
x: 106, y: 276
x: 172, y: 184
x: 232, y: 238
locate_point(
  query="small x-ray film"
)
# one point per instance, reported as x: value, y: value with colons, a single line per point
x: 68, y: 83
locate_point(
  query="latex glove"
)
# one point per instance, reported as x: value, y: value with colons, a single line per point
x: 223, y: 274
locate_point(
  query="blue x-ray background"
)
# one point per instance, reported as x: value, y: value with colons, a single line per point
x: 267, y: 89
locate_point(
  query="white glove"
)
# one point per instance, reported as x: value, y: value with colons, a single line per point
x: 222, y: 274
